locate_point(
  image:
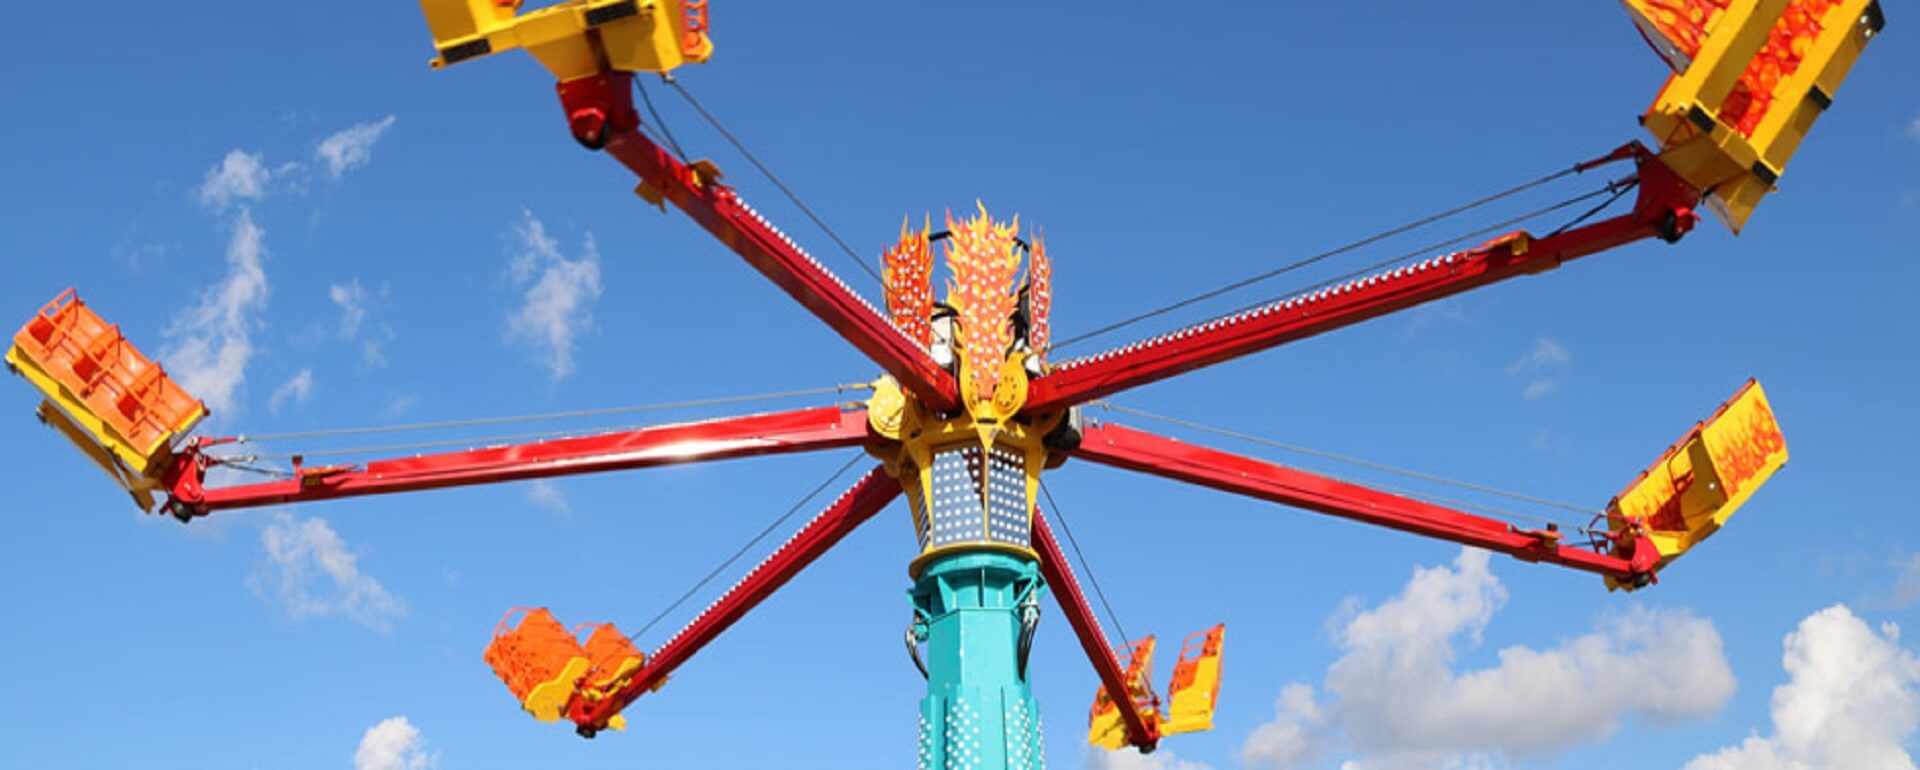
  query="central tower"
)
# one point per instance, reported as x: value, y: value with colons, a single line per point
x: 971, y: 477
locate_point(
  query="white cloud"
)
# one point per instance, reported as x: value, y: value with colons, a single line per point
x: 559, y: 295
x: 1544, y: 368
x: 394, y: 744
x: 1395, y: 700
x: 1294, y: 735
x: 1906, y: 586
x: 313, y: 574
x: 1129, y: 759
x: 354, y: 303
x: 399, y: 405
x: 1913, y: 130
x: 239, y: 177
x: 209, y: 344
x: 296, y: 389
x: 547, y: 494
x: 353, y: 147
x: 1852, y: 699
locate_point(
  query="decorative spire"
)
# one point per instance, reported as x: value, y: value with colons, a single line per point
x: 1039, y: 296
x: 980, y: 254
x: 908, y: 266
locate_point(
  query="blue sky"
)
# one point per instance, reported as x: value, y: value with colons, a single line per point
x: 319, y: 232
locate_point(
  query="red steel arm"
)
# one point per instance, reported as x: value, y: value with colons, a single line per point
x: 800, y: 430
x: 854, y: 507
x: 720, y: 210
x: 1124, y: 447
x: 1141, y: 732
x: 1664, y: 208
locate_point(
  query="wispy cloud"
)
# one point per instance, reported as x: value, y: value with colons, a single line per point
x: 1129, y: 759
x: 1394, y: 698
x: 1913, y: 129
x: 557, y: 306
x: 355, y: 304
x: 237, y: 178
x: 351, y: 148
x: 393, y: 744
x: 312, y: 573
x: 297, y: 389
x: 547, y: 495
x: 1544, y: 368
x: 209, y: 344
x: 1906, y: 582
x: 1852, y: 699
x: 399, y: 405
x: 352, y: 301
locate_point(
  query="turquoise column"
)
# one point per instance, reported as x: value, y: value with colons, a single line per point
x: 976, y: 611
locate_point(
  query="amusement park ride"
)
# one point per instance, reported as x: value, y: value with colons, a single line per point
x: 970, y: 412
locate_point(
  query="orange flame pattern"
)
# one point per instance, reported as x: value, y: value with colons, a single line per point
x: 1786, y: 45
x: 1744, y: 445
x: 908, y: 267
x: 1686, y: 23
x: 980, y: 253
x: 1039, y: 296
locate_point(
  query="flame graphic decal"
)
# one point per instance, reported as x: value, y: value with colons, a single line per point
x: 980, y: 253
x: 908, y: 267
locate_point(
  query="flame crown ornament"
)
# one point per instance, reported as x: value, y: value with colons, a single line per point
x: 981, y: 257
x: 908, y: 267
x: 983, y: 262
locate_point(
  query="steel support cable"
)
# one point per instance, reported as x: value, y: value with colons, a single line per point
x: 1616, y: 188
x: 262, y: 438
x: 667, y: 133
x: 1085, y: 566
x: 1623, y: 186
x: 469, y: 442
x: 1320, y: 257
x: 1367, y: 464
x: 858, y: 455
x: 768, y: 173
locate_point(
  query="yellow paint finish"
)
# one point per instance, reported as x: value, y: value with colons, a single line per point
x: 1105, y: 727
x: 547, y: 700
x: 1195, y: 688
x: 655, y: 38
x: 1756, y: 80
x: 1691, y: 491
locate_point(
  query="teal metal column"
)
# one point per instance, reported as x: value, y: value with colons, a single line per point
x: 979, y: 713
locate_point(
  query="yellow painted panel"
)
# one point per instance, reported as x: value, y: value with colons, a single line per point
x: 1752, y: 78
x: 1690, y: 492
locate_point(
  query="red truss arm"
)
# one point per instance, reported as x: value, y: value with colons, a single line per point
x: 1141, y: 733
x: 721, y: 211
x: 800, y: 430
x: 854, y: 507
x: 1663, y: 209
x: 1136, y: 450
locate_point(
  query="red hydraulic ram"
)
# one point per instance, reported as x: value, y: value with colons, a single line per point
x: 1664, y: 209
x: 800, y: 430
x: 858, y: 504
x: 1124, y: 447
x: 1142, y: 733
x: 696, y: 191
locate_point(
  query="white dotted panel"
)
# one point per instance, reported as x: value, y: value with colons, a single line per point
x: 955, y: 498
x: 1007, y: 518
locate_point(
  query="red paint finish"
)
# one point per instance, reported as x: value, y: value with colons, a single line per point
x: 802, y: 430
x: 718, y: 209
x: 1142, y: 732
x: 1663, y: 209
x: 855, y: 506
x: 1124, y: 447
